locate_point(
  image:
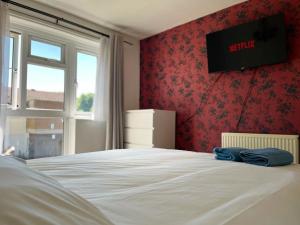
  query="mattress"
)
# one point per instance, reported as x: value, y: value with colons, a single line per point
x: 172, y: 187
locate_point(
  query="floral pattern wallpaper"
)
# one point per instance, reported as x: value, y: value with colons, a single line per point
x: 262, y: 100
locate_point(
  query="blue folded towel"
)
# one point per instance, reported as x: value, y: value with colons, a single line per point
x: 232, y: 153
x: 267, y: 157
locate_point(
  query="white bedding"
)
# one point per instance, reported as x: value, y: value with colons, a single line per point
x: 171, y: 187
x: 31, y: 198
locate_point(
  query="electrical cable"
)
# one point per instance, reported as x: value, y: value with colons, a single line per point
x: 248, y: 95
x: 208, y: 93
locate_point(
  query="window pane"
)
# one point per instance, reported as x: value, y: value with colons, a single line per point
x: 9, y: 94
x: 45, y: 87
x: 45, y: 50
x: 86, y: 80
x: 35, y: 137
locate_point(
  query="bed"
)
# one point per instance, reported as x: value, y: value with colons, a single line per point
x: 173, y: 187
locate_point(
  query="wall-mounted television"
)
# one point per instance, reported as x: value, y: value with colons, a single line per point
x: 248, y: 45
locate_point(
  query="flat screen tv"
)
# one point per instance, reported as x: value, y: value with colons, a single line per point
x: 247, y: 45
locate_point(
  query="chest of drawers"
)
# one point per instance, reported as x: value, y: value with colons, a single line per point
x: 149, y: 128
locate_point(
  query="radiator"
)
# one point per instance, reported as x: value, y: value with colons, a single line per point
x: 286, y: 142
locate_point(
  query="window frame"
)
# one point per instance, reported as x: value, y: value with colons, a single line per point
x: 14, y: 70
x: 79, y: 114
x: 50, y: 42
x: 39, y: 61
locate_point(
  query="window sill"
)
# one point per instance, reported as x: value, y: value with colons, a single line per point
x: 84, y: 116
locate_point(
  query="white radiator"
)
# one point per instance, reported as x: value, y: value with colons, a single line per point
x: 245, y: 140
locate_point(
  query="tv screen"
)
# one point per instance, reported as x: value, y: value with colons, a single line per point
x: 247, y: 45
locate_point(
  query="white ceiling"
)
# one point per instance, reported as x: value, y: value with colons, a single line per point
x: 140, y: 18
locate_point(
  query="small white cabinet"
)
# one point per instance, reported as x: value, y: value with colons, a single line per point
x: 149, y: 128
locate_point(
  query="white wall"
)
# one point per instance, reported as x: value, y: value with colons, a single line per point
x: 131, y: 75
x: 90, y: 136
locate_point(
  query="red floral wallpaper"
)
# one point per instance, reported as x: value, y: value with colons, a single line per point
x: 263, y: 100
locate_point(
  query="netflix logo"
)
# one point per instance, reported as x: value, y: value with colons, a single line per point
x: 241, y: 45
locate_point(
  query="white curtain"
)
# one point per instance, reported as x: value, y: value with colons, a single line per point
x: 108, y: 103
x: 100, y: 100
x: 4, y: 61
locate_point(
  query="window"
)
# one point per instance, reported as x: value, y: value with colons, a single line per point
x: 86, y: 81
x: 45, y: 75
x: 13, y: 77
x: 54, y: 83
x: 48, y: 51
x: 10, y: 74
x: 45, y: 87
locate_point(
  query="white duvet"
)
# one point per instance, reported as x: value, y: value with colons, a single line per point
x: 171, y: 187
x: 28, y: 197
